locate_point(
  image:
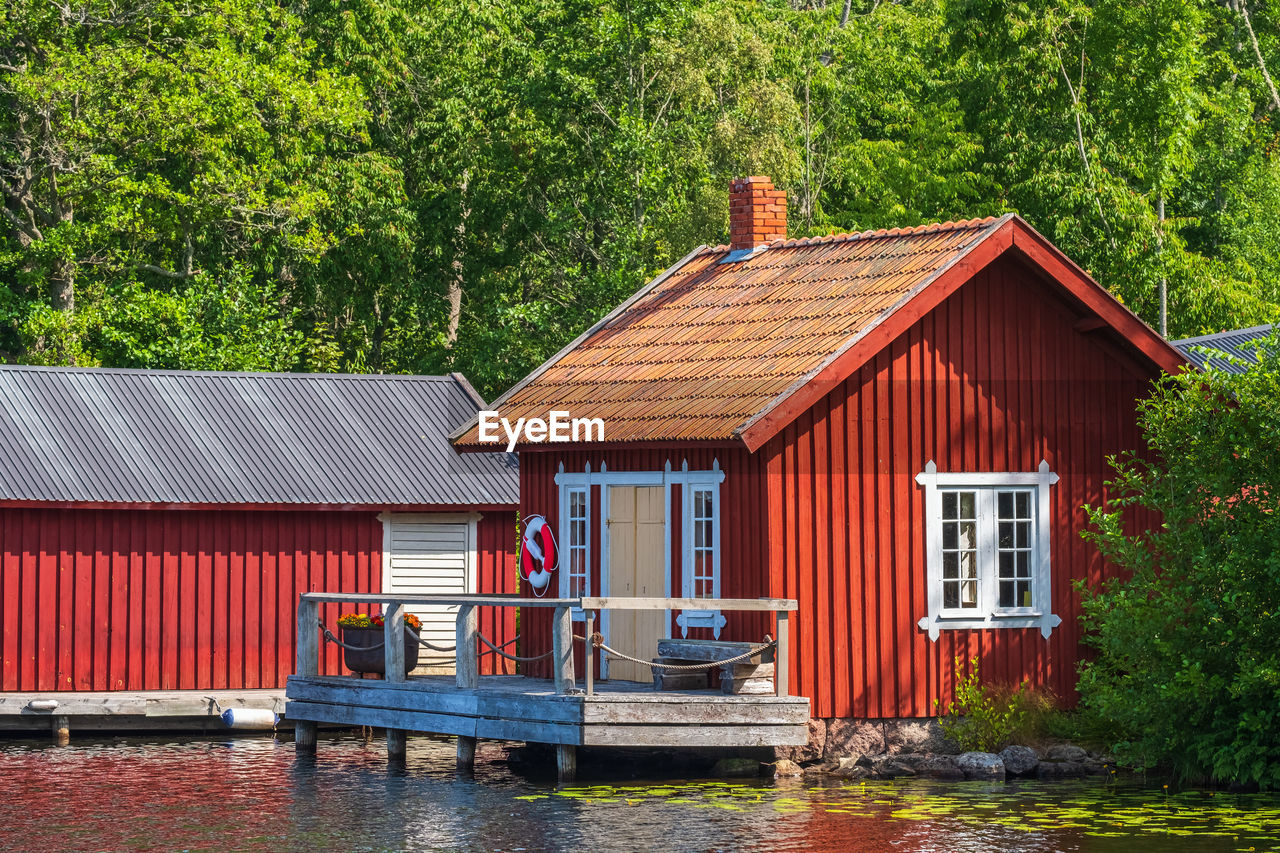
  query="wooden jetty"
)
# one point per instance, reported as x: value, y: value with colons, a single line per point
x: 559, y: 711
x: 127, y: 711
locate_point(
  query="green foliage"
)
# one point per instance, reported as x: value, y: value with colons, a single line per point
x: 391, y: 186
x: 987, y: 718
x: 1188, y: 642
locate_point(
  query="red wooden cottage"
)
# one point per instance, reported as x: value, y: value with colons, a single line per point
x: 896, y: 428
x: 156, y: 526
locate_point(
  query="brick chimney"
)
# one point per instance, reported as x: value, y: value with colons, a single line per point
x: 757, y: 212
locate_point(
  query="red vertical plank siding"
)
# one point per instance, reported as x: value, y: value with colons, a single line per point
x: 496, y: 572
x: 994, y: 379
x: 11, y: 604
x: 188, y: 599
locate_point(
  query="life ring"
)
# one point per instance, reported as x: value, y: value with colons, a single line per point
x: 537, y: 553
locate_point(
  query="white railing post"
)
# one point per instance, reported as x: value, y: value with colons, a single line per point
x: 393, y: 640
x: 466, y: 654
x: 307, y: 637
x: 782, y: 655
x: 562, y: 648
x: 587, y: 656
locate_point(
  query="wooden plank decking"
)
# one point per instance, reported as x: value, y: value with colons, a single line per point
x: 514, y: 707
x: 131, y: 710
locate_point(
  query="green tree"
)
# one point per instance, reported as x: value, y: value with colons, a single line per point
x: 1188, y: 641
x: 159, y: 165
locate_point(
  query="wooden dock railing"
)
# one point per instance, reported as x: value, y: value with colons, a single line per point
x: 467, y: 665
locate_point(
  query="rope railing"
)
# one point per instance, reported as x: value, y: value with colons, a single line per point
x: 596, y: 642
x: 330, y: 638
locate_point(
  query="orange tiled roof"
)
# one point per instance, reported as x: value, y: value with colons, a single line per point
x: 704, y: 348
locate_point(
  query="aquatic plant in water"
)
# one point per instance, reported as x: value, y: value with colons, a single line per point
x: 1090, y: 810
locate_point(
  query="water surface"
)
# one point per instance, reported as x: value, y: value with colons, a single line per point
x: 254, y: 794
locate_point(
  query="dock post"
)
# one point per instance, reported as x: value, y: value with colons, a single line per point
x: 466, y: 752
x: 397, y: 745
x: 588, y: 653
x: 393, y: 642
x: 782, y: 656
x: 307, y: 638
x: 566, y: 763
x: 466, y: 654
x: 304, y: 736
x: 562, y: 649
x: 61, y: 730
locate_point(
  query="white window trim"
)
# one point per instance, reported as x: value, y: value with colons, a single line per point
x: 990, y: 616
x: 667, y: 478
x: 564, y: 539
x: 709, y: 480
x: 471, y: 519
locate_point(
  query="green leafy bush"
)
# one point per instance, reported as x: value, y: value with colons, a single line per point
x: 987, y: 718
x: 1188, y: 640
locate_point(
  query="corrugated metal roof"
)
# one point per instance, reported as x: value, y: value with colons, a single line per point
x: 183, y: 437
x: 1228, y: 342
x: 712, y: 342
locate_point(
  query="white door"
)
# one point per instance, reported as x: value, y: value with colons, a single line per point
x: 637, y: 530
x: 426, y: 554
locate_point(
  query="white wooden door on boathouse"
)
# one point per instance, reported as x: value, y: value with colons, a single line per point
x: 637, y: 526
x: 427, y: 553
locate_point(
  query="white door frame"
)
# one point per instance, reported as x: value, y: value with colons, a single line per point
x: 604, y: 478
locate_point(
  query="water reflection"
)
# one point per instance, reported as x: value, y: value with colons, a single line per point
x: 256, y: 795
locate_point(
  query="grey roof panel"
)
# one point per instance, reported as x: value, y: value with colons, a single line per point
x: 138, y: 436
x: 1228, y: 342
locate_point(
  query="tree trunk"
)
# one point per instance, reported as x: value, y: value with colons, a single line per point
x: 1164, y: 282
x: 62, y: 280
x: 456, y: 280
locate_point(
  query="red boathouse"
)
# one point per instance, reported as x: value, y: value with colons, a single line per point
x: 156, y: 527
x: 897, y: 428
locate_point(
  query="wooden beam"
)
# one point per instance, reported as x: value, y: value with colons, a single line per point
x: 61, y: 730
x: 747, y: 604
x: 588, y: 654
x: 562, y: 649
x: 307, y: 638
x: 304, y: 736
x: 492, y: 599
x: 466, y: 654
x: 466, y: 752
x: 566, y: 763
x: 663, y: 736
x: 1089, y: 324
x: 782, y: 655
x: 393, y: 643
x: 397, y: 745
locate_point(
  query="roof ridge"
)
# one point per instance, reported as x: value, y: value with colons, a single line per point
x: 876, y: 233
x: 1214, y: 335
x: 203, y: 374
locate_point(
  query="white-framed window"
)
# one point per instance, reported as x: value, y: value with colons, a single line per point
x: 701, y: 534
x: 987, y: 549
x: 575, y: 544
x: 579, y: 582
x: 705, y: 578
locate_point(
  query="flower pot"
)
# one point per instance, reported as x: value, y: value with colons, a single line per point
x: 367, y: 655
